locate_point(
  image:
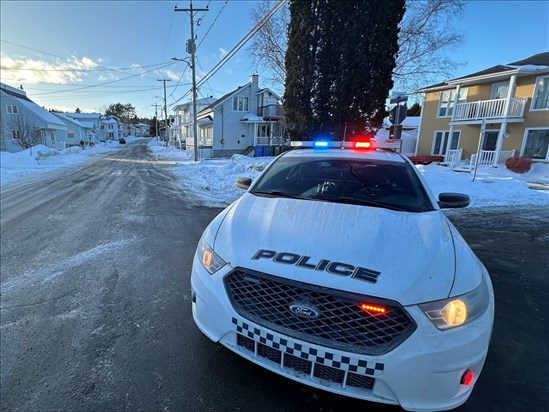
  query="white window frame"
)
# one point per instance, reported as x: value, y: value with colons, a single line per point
x: 445, y: 134
x: 462, y: 92
x: 493, y: 89
x: 534, y: 94
x: 12, y: 109
x: 525, y: 136
x: 241, y: 104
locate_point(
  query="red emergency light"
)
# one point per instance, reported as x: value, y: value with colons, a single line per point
x: 363, y: 145
x: 372, y: 309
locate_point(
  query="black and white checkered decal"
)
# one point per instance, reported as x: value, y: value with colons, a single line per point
x: 288, y: 345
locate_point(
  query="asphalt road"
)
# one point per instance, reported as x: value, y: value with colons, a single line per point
x: 95, y: 301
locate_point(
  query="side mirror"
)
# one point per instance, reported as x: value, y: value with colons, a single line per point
x: 243, y: 183
x: 453, y: 200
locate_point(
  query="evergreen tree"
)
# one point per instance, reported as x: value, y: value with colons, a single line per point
x: 415, y: 110
x: 339, y: 63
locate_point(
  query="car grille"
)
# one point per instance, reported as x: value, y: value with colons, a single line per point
x: 342, y: 324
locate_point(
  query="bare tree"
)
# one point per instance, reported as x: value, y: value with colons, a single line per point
x: 426, y: 34
x: 23, y: 129
x: 268, y: 46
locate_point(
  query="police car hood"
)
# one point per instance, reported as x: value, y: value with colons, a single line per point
x: 412, y: 253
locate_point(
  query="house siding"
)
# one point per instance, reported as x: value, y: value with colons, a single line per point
x: 470, y: 134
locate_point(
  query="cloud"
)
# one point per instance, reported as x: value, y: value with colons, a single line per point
x: 222, y: 52
x: 27, y: 70
x: 172, y: 75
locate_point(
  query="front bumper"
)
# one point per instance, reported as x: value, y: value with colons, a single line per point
x: 421, y: 374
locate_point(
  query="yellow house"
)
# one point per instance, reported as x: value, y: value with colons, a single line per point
x: 499, y: 112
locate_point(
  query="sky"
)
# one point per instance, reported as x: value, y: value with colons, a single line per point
x: 212, y: 180
x: 79, y: 51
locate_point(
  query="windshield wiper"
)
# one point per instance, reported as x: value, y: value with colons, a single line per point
x: 352, y: 200
x: 276, y: 193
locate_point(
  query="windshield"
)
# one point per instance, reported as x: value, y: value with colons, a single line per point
x: 356, y: 181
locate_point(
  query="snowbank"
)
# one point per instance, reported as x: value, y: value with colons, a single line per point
x: 213, y: 180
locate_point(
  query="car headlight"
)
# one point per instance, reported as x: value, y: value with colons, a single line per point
x: 210, y: 260
x: 458, y: 310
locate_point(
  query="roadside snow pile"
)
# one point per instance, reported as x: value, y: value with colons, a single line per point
x: 40, y: 158
x: 213, y: 180
x: 492, y: 186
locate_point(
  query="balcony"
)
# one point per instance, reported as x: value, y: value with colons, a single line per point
x: 273, y: 111
x: 475, y: 112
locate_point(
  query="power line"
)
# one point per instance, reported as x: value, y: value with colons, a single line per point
x: 211, y: 25
x: 239, y: 45
x: 84, y: 70
x: 109, y: 82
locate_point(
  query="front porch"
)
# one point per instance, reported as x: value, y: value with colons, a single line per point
x: 487, y: 158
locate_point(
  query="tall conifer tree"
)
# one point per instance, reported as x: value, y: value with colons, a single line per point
x: 339, y: 63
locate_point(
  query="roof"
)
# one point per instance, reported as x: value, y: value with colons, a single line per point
x: 53, y: 122
x: 68, y: 119
x: 83, y: 115
x: 533, y: 64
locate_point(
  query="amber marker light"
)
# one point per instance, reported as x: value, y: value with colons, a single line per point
x: 207, y: 258
x: 372, y: 309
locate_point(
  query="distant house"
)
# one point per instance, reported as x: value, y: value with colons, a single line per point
x: 113, y: 128
x: 182, y: 126
x: 76, y: 131
x: 245, y: 118
x: 93, y: 122
x: 142, y: 129
x: 510, y: 102
x: 15, y: 105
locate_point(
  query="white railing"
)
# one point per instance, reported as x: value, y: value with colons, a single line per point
x: 270, y: 141
x: 202, y: 141
x: 504, y: 155
x: 489, y: 109
x: 453, y: 157
x: 487, y: 157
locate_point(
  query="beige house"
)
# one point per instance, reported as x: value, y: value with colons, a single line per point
x: 499, y: 112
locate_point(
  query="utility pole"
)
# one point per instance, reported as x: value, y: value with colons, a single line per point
x: 156, y: 118
x: 191, y: 48
x: 165, y: 110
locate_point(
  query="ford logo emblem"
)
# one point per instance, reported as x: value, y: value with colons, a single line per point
x: 304, y: 310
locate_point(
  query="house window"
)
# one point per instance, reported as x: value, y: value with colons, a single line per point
x: 499, y: 90
x: 110, y: 126
x: 536, y: 144
x: 11, y: 109
x: 441, y: 140
x: 446, y: 103
x: 240, y: 104
x: 70, y: 134
x: 15, y: 134
x: 540, y: 99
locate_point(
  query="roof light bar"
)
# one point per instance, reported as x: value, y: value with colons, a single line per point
x: 329, y: 144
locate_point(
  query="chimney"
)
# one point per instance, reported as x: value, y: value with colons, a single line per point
x: 254, y: 79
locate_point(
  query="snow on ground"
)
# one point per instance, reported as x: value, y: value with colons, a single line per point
x: 40, y: 158
x: 213, y: 180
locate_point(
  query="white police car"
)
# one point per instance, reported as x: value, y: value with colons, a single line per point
x: 338, y: 269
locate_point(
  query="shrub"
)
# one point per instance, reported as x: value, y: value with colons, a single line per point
x: 519, y: 164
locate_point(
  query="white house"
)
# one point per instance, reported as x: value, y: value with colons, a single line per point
x: 92, y: 121
x: 182, y: 126
x: 17, y: 108
x: 76, y: 131
x: 244, y: 119
x: 113, y: 128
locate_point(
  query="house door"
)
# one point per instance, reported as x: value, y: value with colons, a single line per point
x: 490, y: 140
